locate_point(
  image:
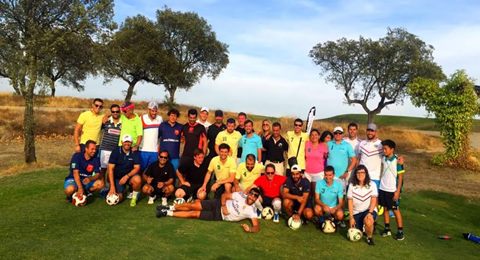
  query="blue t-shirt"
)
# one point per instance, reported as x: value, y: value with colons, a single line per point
x: 85, y: 168
x: 339, y: 155
x: 170, y: 138
x: 250, y: 145
x: 330, y: 194
x: 123, y: 162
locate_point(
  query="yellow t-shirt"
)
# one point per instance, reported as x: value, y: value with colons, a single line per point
x: 91, y: 126
x: 231, y: 139
x: 246, y: 178
x: 222, y: 170
x: 293, y: 141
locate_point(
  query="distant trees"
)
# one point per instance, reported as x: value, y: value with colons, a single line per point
x: 376, y: 71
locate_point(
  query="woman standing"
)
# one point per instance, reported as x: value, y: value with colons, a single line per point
x: 265, y: 134
x: 315, y: 157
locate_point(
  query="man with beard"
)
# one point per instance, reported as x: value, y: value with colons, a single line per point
x: 251, y: 143
x: 212, y: 132
x: 191, y: 176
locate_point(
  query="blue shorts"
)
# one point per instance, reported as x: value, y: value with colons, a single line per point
x: 175, y: 163
x: 71, y: 182
x: 359, y: 217
x: 147, y: 158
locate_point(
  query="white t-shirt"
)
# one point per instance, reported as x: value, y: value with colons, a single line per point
x: 362, y: 196
x: 206, y: 124
x: 150, y: 133
x: 391, y: 169
x: 354, y: 143
x: 238, y: 208
x: 371, y: 154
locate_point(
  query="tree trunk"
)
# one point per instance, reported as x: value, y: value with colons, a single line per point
x: 171, y: 97
x: 371, y: 117
x: 131, y: 86
x: 29, y: 126
x: 52, y: 88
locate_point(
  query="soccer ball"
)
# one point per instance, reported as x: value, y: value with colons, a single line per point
x: 79, y: 201
x: 267, y: 213
x: 294, y: 224
x: 328, y: 226
x: 178, y: 201
x: 112, y: 199
x: 354, y: 234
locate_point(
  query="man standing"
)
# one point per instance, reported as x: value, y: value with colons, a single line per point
x: 277, y: 148
x: 371, y: 153
x: 296, y: 143
x: 158, y: 178
x: 341, y: 156
x: 212, y: 133
x: 111, y: 135
x: 194, y: 135
x: 84, y: 176
x: 295, y: 195
x: 352, y: 137
x: 224, y: 167
x: 250, y: 143
x: 191, y: 176
x: 229, y: 136
x: 203, y: 118
x: 247, y: 173
x: 169, y: 133
x: 149, y: 146
x: 131, y: 125
x: 88, y: 126
x: 271, y: 185
x: 123, y: 168
x: 241, y: 118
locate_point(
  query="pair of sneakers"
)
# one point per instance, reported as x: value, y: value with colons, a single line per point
x: 399, y: 236
x: 151, y: 200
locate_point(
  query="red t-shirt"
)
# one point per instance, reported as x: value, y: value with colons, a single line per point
x: 271, y: 188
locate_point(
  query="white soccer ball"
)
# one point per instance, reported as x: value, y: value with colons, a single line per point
x: 79, y: 201
x: 112, y: 199
x: 178, y: 201
x: 294, y: 224
x: 328, y: 226
x: 354, y: 234
x: 267, y: 213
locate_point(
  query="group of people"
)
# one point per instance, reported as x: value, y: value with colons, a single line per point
x: 311, y: 176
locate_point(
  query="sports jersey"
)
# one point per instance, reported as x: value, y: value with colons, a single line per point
x: 195, y: 136
x: 339, y: 155
x: 238, y: 208
x: 245, y: 177
x: 371, y: 153
x: 86, y: 168
x: 391, y: 169
x: 232, y: 139
x: 170, y: 138
x: 270, y: 189
x: 293, y: 141
x: 299, y: 188
x: 150, y: 133
x: 193, y: 174
x: 212, y: 133
x: 361, y: 196
x: 131, y: 126
x: 124, y: 162
x: 250, y: 145
x: 355, y: 143
x: 91, y: 126
x: 162, y: 174
x: 330, y: 195
x: 276, y: 149
x: 222, y: 170
x: 315, y: 157
x: 111, y: 134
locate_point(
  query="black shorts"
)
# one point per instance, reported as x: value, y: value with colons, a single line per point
x: 211, y: 210
x: 296, y: 204
x: 385, y: 199
x: 190, y: 191
x: 359, y: 217
x: 156, y: 191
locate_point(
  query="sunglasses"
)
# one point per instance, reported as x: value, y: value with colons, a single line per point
x: 115, y: 111
x: 254, y: 194
x: 163, y: 157
x: 338, y: 133
x: 299, y: 125
x: 269, y: 173
x: 97, y: 105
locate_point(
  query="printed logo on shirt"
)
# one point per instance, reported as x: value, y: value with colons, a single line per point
x: 218, y: 166
x: 224, y: 139
x: 73, y: 165
x: 245, y: 174
x: 280, y: 145
x: 89, y: 168
x: 177, y: 132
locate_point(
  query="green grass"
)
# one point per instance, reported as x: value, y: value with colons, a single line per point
x: 419, y: 123
x: 37, y: 223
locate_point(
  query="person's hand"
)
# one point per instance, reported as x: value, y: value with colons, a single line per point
x: 105, y: 118
x: 187, y: 184
x: 332, y: 210
x: 135, y: 148
x: 112, y: 190
x: 245, y: 227
x: 160, y: 185
x: 77, y: 148
x: 344, y: 176
x: 225, y: 210
x: 215, y: 186
x: 149, y: 180
x: 325, y: 209
x: 300, y: 199
x: 79, y: 193
x: 352, y: 222
x: 401, y: 160
x: 396, y: 196
x: 86, y: 180
x: 203, y: 188
x: 296, y: 217
x: 123, y: 180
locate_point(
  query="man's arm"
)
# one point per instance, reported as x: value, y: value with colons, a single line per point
x: 206, y: 180
x: 137, y: 144
x: 76, y: 177
x: 286, y: 194
x: 396, y: 195
x: 259, y: 152
x: 180, y: 178
x: 254, y: 228
x: 76, y: 136
x: 303, y: 204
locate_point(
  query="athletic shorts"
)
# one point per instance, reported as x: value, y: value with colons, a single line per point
x: 385, y: 199
x: 359, y: 217
x: 211, y: 210
x: 104, y: 157
x: 296, y: 204
x: 314, y: 177
x: 267, y: 201
x: 121, y: 188
x: 147, y: 158
x: 175, y: 163
x: 156, y: 191
x: 190, y: 191
x: 71, y: 182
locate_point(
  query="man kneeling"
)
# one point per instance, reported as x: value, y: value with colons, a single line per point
x: 230, y: 207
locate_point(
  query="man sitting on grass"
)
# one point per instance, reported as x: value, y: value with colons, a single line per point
x: 235, y: 206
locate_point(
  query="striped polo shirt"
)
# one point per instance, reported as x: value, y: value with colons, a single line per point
x: 110, y: 135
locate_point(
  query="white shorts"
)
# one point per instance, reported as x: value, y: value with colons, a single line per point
x: 104, y: 157
x: 314, y: 177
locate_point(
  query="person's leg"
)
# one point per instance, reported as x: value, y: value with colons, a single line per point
x: 147, y: 189
x: 399, y: 220
x: 195, y: 206
x: 369, y: 221
x: 288, y: 206
x: 339, y: 214
x: 181, y: 192
x: 277, y: 208
x: 136, y: 184
x: 186, y: 214
x: 168, y: 190
x: 318, y: 211
x: 308, y: 213
x: 69, y: 187
x: 97, y: 185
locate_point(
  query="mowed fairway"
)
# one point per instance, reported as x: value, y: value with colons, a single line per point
x: 37, y: 223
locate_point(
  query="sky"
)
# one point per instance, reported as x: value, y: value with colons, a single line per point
x: 270, y: 72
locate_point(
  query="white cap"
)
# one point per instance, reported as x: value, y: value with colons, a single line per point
x: 127, y: 138
x: 152, y: 105
x: 295, y: 168
x: 204, y: 109
x: 338, y: 129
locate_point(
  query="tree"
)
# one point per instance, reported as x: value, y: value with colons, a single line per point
x: 29, y: 32
x: 454, y: 104
x: 196, y: 52
x: 135, y: 53
x: 376, y: 71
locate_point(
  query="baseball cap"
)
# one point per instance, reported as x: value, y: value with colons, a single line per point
x: 295, y: 168
x: 218, y: 113
x: 372, y: 126
x: 204, y: 109
x: 152, y: 105
x: 338, y: 129
x: 127, y: 138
